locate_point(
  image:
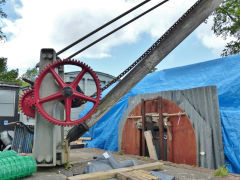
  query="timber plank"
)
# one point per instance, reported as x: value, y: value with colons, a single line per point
x: 124, y: 176
x: 113, y: 173
x: 80, y: 141
x: 150, y: 145
x: 140, y: 175
x: 85, y: 138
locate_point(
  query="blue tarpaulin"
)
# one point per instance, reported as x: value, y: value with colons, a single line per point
x: 223, y: 73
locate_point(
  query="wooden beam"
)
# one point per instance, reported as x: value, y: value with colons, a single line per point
x: 185, y: 27
x: 150, y: 145
x: 85, y: 138
x: 157, y: 115
x: 124, y: 176
x: 174, y: 114
x: 113, y: 173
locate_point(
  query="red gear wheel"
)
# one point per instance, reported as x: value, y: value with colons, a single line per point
x: 63, y: 93
x: 27, y: 103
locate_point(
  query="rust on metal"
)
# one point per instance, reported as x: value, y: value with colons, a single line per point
x: 131, y: 135
x: 143, y: 142
x: 181, y: 147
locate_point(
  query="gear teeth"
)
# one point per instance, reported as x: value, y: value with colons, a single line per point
x: 26, y: 103
x: 45, y: 71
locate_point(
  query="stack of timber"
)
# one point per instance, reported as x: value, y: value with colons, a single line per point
x: 134, y: 172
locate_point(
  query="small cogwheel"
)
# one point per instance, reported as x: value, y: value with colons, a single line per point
x: 27, y: 103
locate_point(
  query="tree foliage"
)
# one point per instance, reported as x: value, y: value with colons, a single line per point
x: 2, y: 15
x: 5, y: 75
x: 31, y: 74
x: 8, y: 76
x: 227, y: 24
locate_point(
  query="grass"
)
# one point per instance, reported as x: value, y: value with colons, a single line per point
x: 221, y: 171
x: 120, y: 152
x: 67, y: 165
x: 145, y: 158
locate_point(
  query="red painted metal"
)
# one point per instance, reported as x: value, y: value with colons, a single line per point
x: 131, y: 136
x: 130, y: 132
x: 67, y: 99
x: 143, y: 141
x: 181, y: 149
x: 27, y: 103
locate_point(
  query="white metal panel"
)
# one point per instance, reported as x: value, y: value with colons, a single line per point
x: 7, y: 96
x: 7, y: 103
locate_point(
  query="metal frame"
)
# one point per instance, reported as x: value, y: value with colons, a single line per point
x: 48, y: 148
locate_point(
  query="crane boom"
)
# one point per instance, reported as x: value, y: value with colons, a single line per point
x: 169, y: 41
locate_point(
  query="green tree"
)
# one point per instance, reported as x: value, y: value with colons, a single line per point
x: 227, y: 24
x: 8, y: 76
x: 2, y: 15
x: 31, y: 74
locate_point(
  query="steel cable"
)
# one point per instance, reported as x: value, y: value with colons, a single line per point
x: 103, y: 26
x: 118, y: 28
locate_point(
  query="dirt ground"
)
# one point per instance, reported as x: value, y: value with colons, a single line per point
x: 80, y: 157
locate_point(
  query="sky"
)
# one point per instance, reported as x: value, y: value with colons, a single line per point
x: 33, y: 25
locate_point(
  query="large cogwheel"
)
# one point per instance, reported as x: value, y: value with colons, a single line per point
x: 67, y: 92
x: 27, y: 103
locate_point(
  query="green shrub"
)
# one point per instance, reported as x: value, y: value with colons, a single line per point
x: 221, y: 171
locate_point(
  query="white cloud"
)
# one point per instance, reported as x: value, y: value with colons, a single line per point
x: 57, y: 23
x: 209, y: 39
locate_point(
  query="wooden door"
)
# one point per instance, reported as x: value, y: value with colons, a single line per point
x: 181, y: 140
